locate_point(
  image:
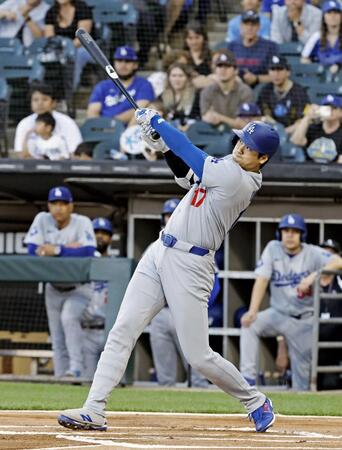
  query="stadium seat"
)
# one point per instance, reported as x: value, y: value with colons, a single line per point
x: 5, y: 92
x: 20, y: 66
x: 115, y: 21
x: 219, y: 45
x: 108, y: 150
x: 208, y: 138
x: 317, y: 91
x: 307, y: 73
x: 290, y: 49
x: 11, y: 45
x: 40, y: 49
x: 292, y: 153
x: 281, y: 131
x: 100, y: 129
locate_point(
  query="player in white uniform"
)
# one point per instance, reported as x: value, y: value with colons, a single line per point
x: 60, y: 232
x: 94, y: 316
x: 288, y: 264
x: 179, y: 267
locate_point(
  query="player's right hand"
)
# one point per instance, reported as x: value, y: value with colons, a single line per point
x: 144, y: 116
x: 156, y: 145
x: 248, y: 318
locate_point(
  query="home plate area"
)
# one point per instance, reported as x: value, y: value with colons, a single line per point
x: 39, y: 430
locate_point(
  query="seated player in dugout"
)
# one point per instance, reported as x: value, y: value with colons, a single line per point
x: 178, y: 268
x: 289, y: 266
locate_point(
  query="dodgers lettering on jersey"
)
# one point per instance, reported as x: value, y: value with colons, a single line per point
x: 212, y: 206
x: 286, y: 272
x: 44, y: 231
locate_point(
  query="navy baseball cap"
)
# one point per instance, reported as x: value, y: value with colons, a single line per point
x: 60, y: 193
x: 125, y: 53
x: 250, y: 16
x: 101, y: 223
x: 249, y: 109
x: 278, y: 62
x: 226, y: 59
x: 331, y: 5
x: 332, y: 100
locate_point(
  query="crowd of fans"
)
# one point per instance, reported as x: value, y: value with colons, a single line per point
x: 251, y: 74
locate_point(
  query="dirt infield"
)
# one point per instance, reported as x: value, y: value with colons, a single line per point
x: 30, y: 430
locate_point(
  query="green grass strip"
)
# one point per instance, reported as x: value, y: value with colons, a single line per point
x: 38, y: 396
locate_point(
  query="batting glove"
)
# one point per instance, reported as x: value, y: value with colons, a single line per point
x: 144, y: 116
x: 156, y: 145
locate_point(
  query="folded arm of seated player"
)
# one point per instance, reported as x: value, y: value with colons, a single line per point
x: 87, y: 250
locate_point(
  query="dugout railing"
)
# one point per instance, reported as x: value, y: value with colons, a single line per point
x: 24, y: 269
x: 327, y: 342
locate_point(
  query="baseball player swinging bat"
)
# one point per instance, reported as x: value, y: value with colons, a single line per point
x: 94, y: 50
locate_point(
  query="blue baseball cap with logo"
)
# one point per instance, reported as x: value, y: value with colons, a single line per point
x: 248, y: 110
x: 125, y: 53
x: 103, y: 224
x: 332, y: 100
x: 331, y: 5
x: 60, y: 193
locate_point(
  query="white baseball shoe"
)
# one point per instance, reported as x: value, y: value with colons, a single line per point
x: 82, y: 419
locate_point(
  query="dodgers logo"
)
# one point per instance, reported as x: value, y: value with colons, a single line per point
x: 291, y: 279
x: 251, y: 128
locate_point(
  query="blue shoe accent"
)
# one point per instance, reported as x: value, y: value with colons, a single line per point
x: 68, y: 422
x: 263, y: 417
x: 250, y: 381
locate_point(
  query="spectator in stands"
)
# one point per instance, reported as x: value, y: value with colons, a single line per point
x: 197, y: 44
x: 60, y: 232
x: 93, y: 317
x: 106, y: 99
x: 234, y: 25
x: 325, y: 46
x: 296, y: 21
x: 23, y: 19
x: 267, y: 6
x: 158, y: 79
x: 282, y: 100
x: 320, y: 131
x: 248, y: 112
x: 220, y: 101
x: 289, y: 266
x: 41, y: 143
x: 84, y: 151
x: 253, y: 53
x: 63, y: 19
x: 42, y: 101
x: 180, y: 97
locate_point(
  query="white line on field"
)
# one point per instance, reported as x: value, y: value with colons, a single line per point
x: 174, y: 414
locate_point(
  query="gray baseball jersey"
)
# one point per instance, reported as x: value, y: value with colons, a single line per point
x: 229, y: 190
x: 96, y: 310
x: 44, y: 231
x: 286, y: 272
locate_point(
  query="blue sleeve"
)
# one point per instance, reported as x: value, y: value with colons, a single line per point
x: 31, y: 248
x: 215, y: 291
x: 180, y: 145
x: 81, y: 251
x: 233, y: 29
x: 96, y: 95
x: 145, y: 92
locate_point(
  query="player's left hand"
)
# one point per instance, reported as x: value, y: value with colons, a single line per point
x: 46, y: 250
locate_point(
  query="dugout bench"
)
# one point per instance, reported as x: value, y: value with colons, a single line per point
x: 117, y: 271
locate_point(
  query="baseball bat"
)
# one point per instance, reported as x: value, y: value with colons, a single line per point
x: 94, y: 50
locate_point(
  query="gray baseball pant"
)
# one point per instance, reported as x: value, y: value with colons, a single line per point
x: 185, y: 280
x: 298, y: 335
x: 64, y: 311
x: 165, y: 350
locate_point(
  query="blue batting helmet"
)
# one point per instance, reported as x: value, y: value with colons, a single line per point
x: 101, y: 223
x: 170, y: 205
x: 260, y: 137
x: 295, y: 221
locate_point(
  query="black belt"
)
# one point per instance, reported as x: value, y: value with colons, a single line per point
x: 304, y: 315
x: 92, y: 327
